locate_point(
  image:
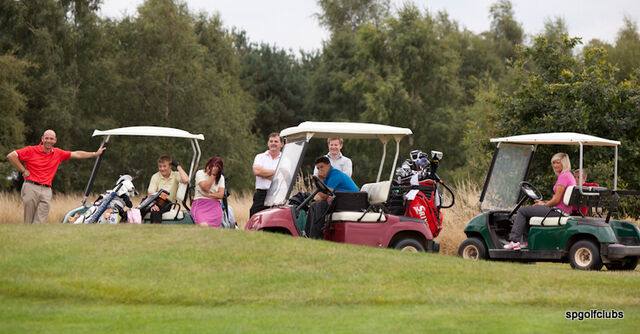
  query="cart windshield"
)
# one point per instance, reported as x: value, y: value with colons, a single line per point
x: 285, y: 176
x: 502, y: 187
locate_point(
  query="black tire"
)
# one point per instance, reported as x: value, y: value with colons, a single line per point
x: 473, y: 248
x: 585, y: 255
x: 409, y: 245
x: 629, y: 264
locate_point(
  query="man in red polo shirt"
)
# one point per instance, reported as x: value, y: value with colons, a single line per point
x: 40, y: 166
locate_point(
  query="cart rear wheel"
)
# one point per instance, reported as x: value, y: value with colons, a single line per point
x: 472, y: 248
x: 585, y: 255
x: 409, y: 245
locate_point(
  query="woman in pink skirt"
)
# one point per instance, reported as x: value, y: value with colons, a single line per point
x: 206, y: 208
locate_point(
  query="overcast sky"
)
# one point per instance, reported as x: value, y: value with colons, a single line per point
x: 291, y: 24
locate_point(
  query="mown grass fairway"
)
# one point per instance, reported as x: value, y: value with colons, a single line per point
x: 144, y: 278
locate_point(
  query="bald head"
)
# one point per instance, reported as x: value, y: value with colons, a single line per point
x: 48, y: 140
x: 49, y: 133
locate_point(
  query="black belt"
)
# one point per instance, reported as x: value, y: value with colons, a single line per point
x: 37, y: 184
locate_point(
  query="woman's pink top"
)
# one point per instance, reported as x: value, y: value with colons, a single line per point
x: 565, y: 179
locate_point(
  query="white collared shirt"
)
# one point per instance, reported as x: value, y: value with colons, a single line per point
x: 265, y: 161
x: 342, y: 164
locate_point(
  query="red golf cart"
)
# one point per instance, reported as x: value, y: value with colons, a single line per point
x: 371, y: 224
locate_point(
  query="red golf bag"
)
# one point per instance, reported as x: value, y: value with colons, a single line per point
x: 424, y: 206
x: 427, y: 203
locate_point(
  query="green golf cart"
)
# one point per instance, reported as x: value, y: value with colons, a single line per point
x: 587, y: 243
x: 179, y: 213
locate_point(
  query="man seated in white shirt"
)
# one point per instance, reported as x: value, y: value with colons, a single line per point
x: 338, y: 161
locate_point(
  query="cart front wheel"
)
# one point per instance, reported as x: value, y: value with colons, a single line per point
x: 472, y: 248
x: 585, y: 255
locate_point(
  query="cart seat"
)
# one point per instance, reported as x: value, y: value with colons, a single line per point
x: 354, y: 216
x: 180, y: 195
x: 548, y: 221
x: 175, y: 213
x: 555, y: 221
x: 377, y: 192
x: 169, y: 215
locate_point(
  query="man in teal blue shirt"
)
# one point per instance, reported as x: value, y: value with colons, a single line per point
x: 335, y: 180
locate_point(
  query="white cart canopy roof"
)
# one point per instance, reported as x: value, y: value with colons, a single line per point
x: 346, y: 130
x: 557, y: 138
x: 151, y: 131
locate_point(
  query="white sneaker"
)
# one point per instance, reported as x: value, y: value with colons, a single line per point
x: 512, y: 245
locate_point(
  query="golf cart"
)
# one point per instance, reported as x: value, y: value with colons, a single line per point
x: 368, y: 223
x: 585, y: 242
x: 179, y: 213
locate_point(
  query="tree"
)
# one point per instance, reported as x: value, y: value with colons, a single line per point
x: 558, y: 92
x: 505, y: 30
x: 555, y: 29
x: 407, y: 75
x: 278, y: 82
x: 12, y: 104
x: 626, y: 53
x: 59, y: 39
x: 341, y: 15
x: 174, y: 69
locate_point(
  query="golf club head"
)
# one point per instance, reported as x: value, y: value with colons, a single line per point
x: 436, y: 155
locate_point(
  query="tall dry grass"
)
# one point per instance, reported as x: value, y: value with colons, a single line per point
x: 241, y: 203
x: 455, y: 218
x: 11, y: 210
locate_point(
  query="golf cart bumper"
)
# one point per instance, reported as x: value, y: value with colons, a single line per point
x: 619, y: 251
x: 433, y: 246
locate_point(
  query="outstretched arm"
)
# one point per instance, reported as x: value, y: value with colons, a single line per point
x: 86, y: 155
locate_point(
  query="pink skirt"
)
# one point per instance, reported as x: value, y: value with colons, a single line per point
x: 206, y: 210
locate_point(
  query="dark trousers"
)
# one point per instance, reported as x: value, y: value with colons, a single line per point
x: 258, y: 202
x: 315, y: 219
x: 520, y: 228
x: 156, y: 216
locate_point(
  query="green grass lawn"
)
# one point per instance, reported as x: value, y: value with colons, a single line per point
x: 145, y: 278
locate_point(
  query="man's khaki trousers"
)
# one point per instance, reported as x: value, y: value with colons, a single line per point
x: 36, y: 201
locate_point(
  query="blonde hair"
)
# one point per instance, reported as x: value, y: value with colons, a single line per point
x: 564, y: 160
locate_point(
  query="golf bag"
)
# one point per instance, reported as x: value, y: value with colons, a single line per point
x: 158, y: 198
x: 425, y: 206
x: 109, y: 208
x: 416, y: 192
x: 228, y: 219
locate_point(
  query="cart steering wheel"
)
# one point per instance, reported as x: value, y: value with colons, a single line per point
x: 530, y: 191
x: 321, y: 186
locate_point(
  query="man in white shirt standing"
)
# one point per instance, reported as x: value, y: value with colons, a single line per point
x: 338, y: 161
x: 264, y: 167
